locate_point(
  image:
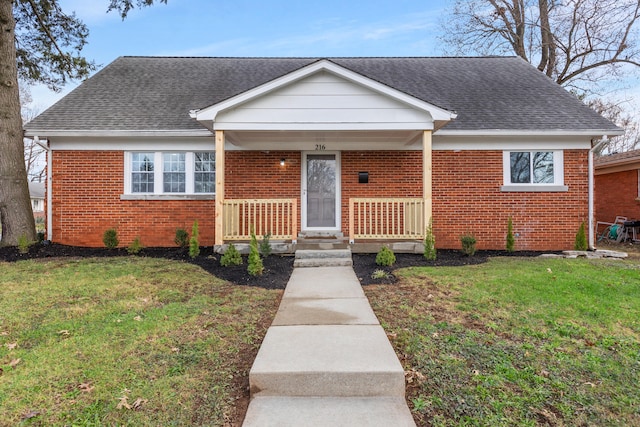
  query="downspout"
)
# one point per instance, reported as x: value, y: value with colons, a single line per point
x: 46, y: 147
x: 592, y: 244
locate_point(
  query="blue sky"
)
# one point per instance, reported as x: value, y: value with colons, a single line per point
x: 257, y: 28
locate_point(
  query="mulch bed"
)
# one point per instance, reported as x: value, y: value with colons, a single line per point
x: 277, y: 268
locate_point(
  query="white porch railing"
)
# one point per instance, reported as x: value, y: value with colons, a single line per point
x: 278, y: 217
x: 386, y: 218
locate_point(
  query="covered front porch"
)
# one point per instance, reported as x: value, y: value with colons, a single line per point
x: 323, y: 153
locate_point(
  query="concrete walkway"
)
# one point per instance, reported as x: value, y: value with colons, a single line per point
x: 325, y: 360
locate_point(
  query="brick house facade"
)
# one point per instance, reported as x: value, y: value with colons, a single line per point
x: 617, y: 178
x: 368, y: 148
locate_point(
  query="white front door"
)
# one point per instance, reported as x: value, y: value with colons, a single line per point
x: 321, y: 191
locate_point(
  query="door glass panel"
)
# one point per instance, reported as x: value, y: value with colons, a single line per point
x: 321, y: 191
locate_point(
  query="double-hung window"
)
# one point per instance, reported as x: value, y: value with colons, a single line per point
x: 535, y: 170
x: 169, y: 173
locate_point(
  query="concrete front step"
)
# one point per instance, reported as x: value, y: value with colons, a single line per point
x: 328, y: 412
x: 328, y: 253
x: 356, y: 360
x: 323, y: 262
x: 323, y: 258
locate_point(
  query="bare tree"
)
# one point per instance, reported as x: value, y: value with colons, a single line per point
x: 617, y: 114
x: 584, y: 45
x: 576, y: 42
x: 34, y: 154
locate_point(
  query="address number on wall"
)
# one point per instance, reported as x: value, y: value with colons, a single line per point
x: 321, y: 147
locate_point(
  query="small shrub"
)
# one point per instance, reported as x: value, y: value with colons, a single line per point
x: 581, y: 239
x: 194, y: 243
x: 511, y: 241
x: 135, y: 247
x: 385, y: 257
x: 231, y: 257
x: 379, y: 274
x: 23, y: 244
x: 265, y: 245
x: 40, y: 236
x: 182, y: 238
x: 110, y: 238
x: 468, y: 244
x: 255, y: 267
x: 430, y: 252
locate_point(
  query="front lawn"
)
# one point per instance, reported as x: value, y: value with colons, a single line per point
x: 518, y: 341
x: 126, y: 341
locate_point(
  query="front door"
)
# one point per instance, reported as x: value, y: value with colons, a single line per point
x: 320, y: 191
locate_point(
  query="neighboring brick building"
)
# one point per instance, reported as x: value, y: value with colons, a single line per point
x: 617, y: 178
x: 372, y: 148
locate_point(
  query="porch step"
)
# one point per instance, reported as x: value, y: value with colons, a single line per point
x: 323, y: 258
x: 328, y: 411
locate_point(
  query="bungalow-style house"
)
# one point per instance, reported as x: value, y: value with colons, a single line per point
x: 617, y: 178
x: 371, y: 149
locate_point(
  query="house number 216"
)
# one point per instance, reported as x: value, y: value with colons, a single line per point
x: 320, y: 147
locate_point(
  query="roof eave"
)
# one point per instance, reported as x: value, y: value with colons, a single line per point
x: 44, y: 133
x: 530, y: 132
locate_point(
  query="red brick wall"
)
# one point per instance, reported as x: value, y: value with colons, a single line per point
x: 617, y: 195
x: 467, y: 198
x: 258, y: 174
x: 87, y: 186
x: 86, y: 201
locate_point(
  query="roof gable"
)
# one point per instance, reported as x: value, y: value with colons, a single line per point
x: 322, y: 95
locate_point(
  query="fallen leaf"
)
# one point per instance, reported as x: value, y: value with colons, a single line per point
x: 549, y: 270
x: 392, y: 335
x: 590, y: 383
x: 63, y: 332
x: 4, y: 334
x: 118, y: 321
x: 30, y: 414
x: 435, y: 335
x: 138, y: 403
x: 476, y: 372
x: 11, y: 345
x: 123, y: 403
x: 86, y: 387
x: 175, y: 349
x: 126, y: 391
x: 544, y: 373
x: 138, y: 319
x: 14, y: 362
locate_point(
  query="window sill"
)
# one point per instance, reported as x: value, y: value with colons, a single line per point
x: 534, y: 188
x: 167, y: 197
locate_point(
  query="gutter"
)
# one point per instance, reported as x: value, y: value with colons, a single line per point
x: 592, y: 244
x: 45, y: 146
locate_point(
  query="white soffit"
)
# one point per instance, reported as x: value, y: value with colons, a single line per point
x: 408, y: 112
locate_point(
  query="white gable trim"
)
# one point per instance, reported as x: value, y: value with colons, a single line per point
x: 208, y: 115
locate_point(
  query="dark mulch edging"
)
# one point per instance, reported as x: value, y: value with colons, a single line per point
x: 277, y: 269
x: 365, y: 264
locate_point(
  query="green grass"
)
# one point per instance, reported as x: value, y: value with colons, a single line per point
x: 82, y: 339
x: 518, y: 341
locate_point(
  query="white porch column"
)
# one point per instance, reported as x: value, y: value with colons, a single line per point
x: 219, y: 218
x: 427, y: 180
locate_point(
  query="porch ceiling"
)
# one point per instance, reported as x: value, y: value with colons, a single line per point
x: 332, y: 140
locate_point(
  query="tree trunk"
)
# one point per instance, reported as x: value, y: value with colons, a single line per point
x: 16, y: 215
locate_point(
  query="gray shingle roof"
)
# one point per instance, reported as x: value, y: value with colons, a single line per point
x: 632, y: 156
x: 157, y: 93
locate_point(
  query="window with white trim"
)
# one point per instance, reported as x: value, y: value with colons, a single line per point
x: 535, y: 170
x: 169, y: 173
